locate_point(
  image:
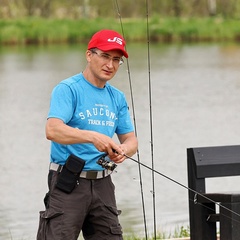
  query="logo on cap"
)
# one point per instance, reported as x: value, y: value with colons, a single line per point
x: 117, y: 40
x: 107, y: 40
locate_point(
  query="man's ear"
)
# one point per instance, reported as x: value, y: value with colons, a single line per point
x: 88, y: 55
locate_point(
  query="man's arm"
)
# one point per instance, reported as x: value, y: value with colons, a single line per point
x: 58, y: 131
x: 129, y: 143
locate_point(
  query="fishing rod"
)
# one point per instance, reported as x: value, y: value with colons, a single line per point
x: 135, y: 127
x: 151, y: 121
x: 111, y: 166
x: 184, y: 186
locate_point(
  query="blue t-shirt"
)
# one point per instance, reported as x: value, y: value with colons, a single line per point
x: 80, y: 104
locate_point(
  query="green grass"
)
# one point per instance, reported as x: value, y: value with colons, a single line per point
x: 178, y: 233
x: 48, y: 31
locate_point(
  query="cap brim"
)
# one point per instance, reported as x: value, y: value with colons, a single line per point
x: 109, y: 48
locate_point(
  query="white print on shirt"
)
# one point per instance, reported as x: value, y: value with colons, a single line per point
x: 96, y: 112
x: 116, y: 39
x: 102, y: 123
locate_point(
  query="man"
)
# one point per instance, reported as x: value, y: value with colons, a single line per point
x: 85, y: 112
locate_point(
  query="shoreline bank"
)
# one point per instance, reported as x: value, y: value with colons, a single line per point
x: 54, y: 31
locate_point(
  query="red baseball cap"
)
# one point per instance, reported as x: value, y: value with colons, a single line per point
x: 107, y: 40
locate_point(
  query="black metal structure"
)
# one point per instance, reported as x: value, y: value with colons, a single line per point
x: 208, y: 162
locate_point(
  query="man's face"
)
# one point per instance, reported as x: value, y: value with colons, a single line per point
x: 104, y: 65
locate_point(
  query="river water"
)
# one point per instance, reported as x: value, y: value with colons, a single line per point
x: 195, y: 102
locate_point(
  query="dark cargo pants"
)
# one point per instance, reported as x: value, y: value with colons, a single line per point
x: 91, y: 207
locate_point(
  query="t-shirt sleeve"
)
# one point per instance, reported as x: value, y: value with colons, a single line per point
x: 124, y: 120
x: 62, y: 103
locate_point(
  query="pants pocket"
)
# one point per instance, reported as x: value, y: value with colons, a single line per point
x: 116, y: 230
x: 114, y: 210
x: 49, y: 224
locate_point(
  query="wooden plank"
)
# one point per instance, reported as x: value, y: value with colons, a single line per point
x: 217, y: 161
x: 219, y: 197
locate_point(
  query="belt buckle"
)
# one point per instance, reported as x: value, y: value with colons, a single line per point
x: 96, y: 174
x: 92, y: 175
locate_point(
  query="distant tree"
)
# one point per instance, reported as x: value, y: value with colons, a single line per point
x: 212, y: 7
x: 177, y: 8
x: 86, y: 9
x: 128, y: 9
x: 29, y: 6
x: 226, y: 8
x: 45, y: 6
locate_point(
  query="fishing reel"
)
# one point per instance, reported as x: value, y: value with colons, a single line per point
x: 106, y: 164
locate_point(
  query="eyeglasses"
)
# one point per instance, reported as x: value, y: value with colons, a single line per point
x: 106, y: 58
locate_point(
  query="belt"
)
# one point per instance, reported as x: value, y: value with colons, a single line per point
x: 84, y: 174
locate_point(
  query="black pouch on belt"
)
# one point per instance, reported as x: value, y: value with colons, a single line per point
x: 68, y: 177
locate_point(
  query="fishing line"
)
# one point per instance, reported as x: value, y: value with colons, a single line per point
x: 184, y: 186
x: 135, y: 125
x: 212, y: 209
x: 111, y: 166
x: 138, y: 157
x: 151, y: 120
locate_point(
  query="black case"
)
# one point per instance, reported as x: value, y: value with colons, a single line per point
x: 68, y: 177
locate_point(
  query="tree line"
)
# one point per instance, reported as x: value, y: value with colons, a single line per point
x: 77, y: 9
